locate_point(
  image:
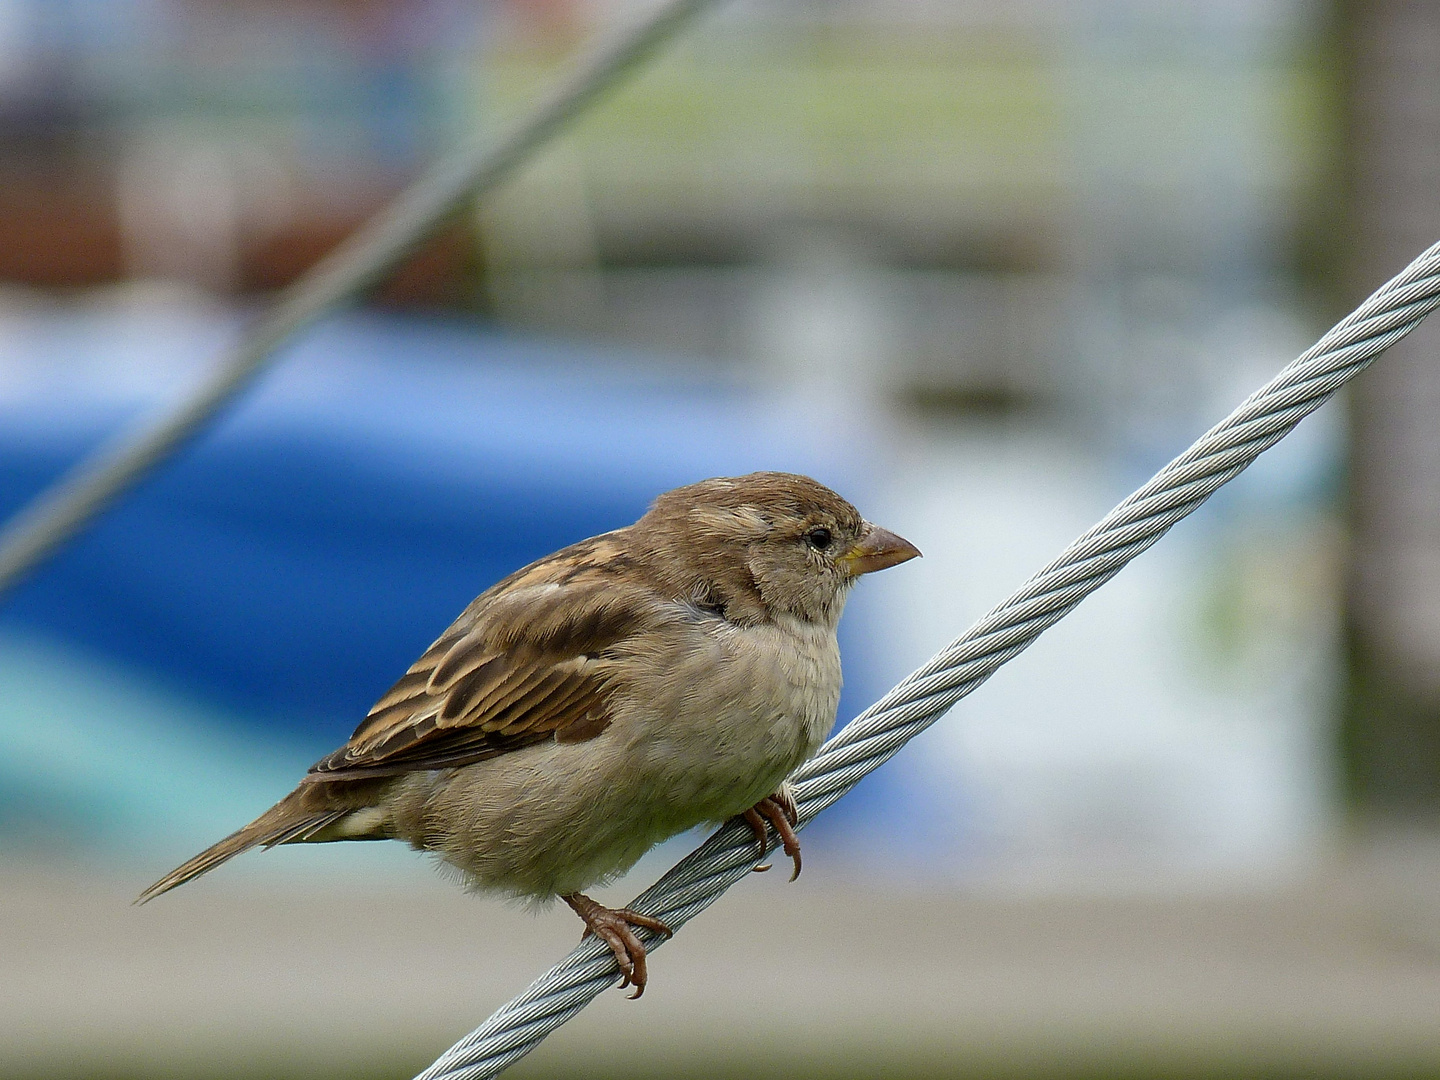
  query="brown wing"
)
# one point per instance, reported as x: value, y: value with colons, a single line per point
x: 531, y: 659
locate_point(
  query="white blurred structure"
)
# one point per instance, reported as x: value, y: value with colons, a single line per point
x: 1179, y: 730
x: 1174, y: 732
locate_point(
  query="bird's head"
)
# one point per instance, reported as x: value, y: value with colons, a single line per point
x: 764, y: 545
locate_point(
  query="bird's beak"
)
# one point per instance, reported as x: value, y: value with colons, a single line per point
x: 876, y: 550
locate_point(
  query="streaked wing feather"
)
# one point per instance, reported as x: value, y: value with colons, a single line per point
x: 487, y: 686
x: 460, y: 659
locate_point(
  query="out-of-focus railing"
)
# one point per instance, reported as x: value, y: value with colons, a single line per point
x: 60, y: 511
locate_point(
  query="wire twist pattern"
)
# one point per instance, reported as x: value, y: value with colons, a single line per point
x: 877, y: 734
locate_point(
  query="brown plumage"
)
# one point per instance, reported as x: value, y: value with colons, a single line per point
x: 604, y: 698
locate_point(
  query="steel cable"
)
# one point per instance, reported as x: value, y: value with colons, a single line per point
x: 877, y: 734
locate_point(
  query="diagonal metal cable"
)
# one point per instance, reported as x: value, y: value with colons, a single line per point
x: 366, y: 257
x: 873, y: 737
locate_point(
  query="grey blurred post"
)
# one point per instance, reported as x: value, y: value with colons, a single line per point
x: 1392, y: 52
x: 365, y: 258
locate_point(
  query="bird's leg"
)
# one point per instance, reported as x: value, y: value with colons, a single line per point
x: 612, y: 926
x: 780, y: 811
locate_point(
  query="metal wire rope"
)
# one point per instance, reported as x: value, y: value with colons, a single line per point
x: 61, y: 510
x: 877, y: 734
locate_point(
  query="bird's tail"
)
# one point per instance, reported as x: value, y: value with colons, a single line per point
x: 288, y: 821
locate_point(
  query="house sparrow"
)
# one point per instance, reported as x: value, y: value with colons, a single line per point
x: 605, y: 698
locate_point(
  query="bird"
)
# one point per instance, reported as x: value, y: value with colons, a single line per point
x: 604, y: 698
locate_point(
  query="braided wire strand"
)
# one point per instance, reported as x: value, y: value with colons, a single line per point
x: 878, y: 733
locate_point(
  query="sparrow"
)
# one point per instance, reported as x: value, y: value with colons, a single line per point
x: 603, y: 699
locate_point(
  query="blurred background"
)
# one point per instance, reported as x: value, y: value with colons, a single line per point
x: 981, y: 267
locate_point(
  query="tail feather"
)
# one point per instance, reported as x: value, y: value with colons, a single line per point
x: 305, y: 829
x: 287, y: 821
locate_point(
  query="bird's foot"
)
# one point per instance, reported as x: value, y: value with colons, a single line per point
x: 613, y: 926
x: 779, y: 810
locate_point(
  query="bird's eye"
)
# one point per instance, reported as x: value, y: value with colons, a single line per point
x: 819, y: 537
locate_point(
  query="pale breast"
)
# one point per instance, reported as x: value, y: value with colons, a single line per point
x: 730, y: 712
x: 712, y: 718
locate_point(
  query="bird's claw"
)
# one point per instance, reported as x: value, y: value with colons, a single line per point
x: 613, y: 926
x: 780, y: 811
